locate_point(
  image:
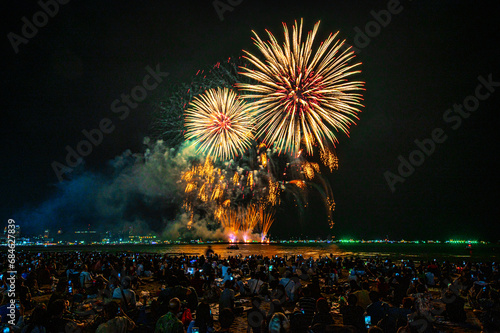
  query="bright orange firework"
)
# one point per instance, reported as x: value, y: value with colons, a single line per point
x: 219, y: 123
x: 301, y: 95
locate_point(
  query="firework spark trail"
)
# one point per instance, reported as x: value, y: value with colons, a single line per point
x: 329, y: 159
x: 266, y: 219
x: 219, y: 123
x: 217, y: 190
x: 169, y: 120
x: 243, y: 222
x: 234, y: 197
x: 300, y: 96
x: 228, y: 193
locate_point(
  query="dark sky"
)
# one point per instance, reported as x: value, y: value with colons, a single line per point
x: 426, y: 58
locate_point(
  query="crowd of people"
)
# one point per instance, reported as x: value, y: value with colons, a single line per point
x: 131, y: 292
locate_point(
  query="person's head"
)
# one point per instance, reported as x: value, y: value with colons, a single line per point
x: 99, y: 283
x: 407, y: 302
x: 306, y: 291
x: 279, y: 323
x: 315, y: 280
x: 172, y: 281
x: 375, y: 329
x: 39, y: 315
x: 228, y: 284
x: 374, y: 296
x: 111, y: 309
x: 352, y: 299
x: 126, y: 282
x: 226, y: 318
x: 420, y: 288
x: 203, y: 315
x: 174, y: 305
x: 280, y: 291
x: 322, y: 305
x: 353, y: 285
x: 62, y: 285
x: 56, y: 308
x: 277, y: 305
x: 365, y: 285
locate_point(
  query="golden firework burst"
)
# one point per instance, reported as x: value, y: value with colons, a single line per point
x: 301, y: 95
x: 219, y: 123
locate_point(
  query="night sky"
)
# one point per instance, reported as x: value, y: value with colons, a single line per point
x: 427, y: 57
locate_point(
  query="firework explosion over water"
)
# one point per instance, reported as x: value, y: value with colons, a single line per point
x: 257, y: 136
x: 243, y: 141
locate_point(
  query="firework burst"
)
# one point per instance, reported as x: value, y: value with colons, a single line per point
x: 219, y: 123
x: 301, y: 96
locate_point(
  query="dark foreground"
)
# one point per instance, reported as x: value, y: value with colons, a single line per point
x: 130, y: 291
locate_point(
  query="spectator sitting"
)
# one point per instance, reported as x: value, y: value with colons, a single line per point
x: 242, y: 287
x: 400, y: 315
x: 298, y: 322
x: 169, y: 323
x: 73, y: 275
x: 57, y: 322
x: 352, y: 314
x: 228, y: 276
x: 352, y: 275
x: 363, y: 295
x: 289, y: 285
x: 225, y: 268
x: 125, y: 294
x: 254, y: 283
x: 307, y: 305
x: 197, y: 283
x: 323, y: 317
x: 279, y: 323
x: 226, y: 299
x: 377, y: 309
x: 61, y: 292
x: 25, y: 295
x: 38, y: 320
x: 279, y: 293
x: 382, y: 287
x: 85, y: 278
x: 429, y: 279
x: 71, y: 270
x: 118, y: 321
x: 315, y: 288
x: 204, y: 321
x: 103, y: 291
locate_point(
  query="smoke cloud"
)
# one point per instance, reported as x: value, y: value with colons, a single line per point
x: 136, y: 192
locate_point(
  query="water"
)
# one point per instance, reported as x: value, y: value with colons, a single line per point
x: 452, y: 252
